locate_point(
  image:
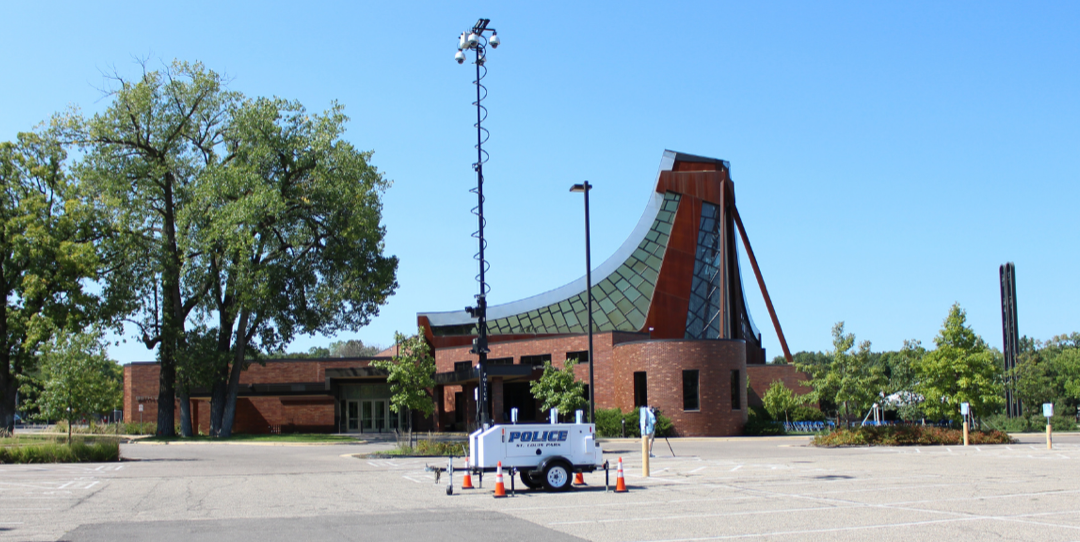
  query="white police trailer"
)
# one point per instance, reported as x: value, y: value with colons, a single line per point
x: 545, y: 455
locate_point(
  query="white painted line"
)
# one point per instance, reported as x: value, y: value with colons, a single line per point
x: 737, y: 467
x: 699, y: 469
x: 630, y: 503
x: 815, y: 531
x: 91, y: 484
x: 412, y: 479
x: 372, y: 463
x: 699, y: 516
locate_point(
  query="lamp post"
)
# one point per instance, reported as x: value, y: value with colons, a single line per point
x: 475, y: 40
x: 584, y: 188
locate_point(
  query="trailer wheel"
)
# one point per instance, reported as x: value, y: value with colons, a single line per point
x: 528, y: 478
x: 557, y: 476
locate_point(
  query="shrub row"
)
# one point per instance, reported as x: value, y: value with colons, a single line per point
x: 908, y: 435
x: 125, y: 428
x: 609, y: 423
x: 1029, y: 424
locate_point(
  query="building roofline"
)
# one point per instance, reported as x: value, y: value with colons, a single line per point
x: 282, y: 360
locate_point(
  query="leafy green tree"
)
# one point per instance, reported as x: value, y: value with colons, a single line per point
x: 850, y: 382
x: 779, y: 400
x: 251, y: 214
x: 559, y: 389
x: 78, y: 378
x: 900, y: 370
x: 157, y: 141
x: 1049, y: 372
x: 313, y: 352
x: 293, y: 235
x: 354, y: 348
x: 961, y: 369
x: 46, y: 252
x: 411, y: 374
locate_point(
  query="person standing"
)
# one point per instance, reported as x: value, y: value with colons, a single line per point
x: 648, y: 425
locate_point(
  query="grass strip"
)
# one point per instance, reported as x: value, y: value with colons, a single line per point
x: 309, y: 438
x: 14, y: 450
x: 426, y: 448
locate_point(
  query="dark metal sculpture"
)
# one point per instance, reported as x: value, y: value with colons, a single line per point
x: 1010, y: 342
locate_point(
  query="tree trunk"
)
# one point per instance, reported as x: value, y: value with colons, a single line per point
x: 234, y: 376
x: 185, y: 415
x: 218, y: 393
x: 166, y: 414
x: 172, y: 319
x: 7, y: 398
x: 8, y: 385
x: 219, y: 389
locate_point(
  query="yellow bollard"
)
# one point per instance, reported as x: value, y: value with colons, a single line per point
x: 1049, y: 440
x: 645, y: 455
x: 965, y: 433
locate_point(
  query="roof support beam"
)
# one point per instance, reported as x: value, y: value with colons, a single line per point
x: 761, y: 284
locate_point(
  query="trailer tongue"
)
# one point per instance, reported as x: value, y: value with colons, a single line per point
x: 546, y: 455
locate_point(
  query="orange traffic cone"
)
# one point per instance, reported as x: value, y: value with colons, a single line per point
x: 579, y: 480
x: 467, y: 482
x: 620, y: 483
x: 500, y: 489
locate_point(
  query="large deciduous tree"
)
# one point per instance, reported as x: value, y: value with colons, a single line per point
x: 250, y: 218
x: 145, y: 156
x: 961, y: 369
x: 292, y: 237
x: 46, y: 252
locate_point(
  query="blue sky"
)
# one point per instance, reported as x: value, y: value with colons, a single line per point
x: 888, y: 157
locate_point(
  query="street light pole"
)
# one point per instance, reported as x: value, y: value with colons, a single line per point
x: 588, y: 293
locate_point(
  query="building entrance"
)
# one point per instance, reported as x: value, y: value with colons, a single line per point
x: 365, y: 408
x: 370, y: 416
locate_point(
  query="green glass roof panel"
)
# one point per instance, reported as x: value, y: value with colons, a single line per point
x: 606, y: 305
x: 620, y: 300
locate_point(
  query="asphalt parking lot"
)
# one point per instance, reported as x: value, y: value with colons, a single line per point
x: 712, y: 489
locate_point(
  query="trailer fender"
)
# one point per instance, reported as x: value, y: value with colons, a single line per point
x: 551, y: 458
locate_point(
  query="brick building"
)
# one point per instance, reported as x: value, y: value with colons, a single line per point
x: 672, y: 327
x: 671, y: 330
x: 335, y: 395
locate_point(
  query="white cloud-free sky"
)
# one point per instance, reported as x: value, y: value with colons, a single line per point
x: 888, y: 157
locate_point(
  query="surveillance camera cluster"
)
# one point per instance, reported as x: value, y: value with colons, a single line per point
x: 471, y: 40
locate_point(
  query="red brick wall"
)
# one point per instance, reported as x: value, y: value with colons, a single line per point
x: 141, y: 388
x: 255, y: 414
x: 762, y: 376
x: 664, y: 361
x: 556, y: 346
x: 617, y: 356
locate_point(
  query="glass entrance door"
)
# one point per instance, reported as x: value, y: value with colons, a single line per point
x: 352, y: 415
x: 370, y: 416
